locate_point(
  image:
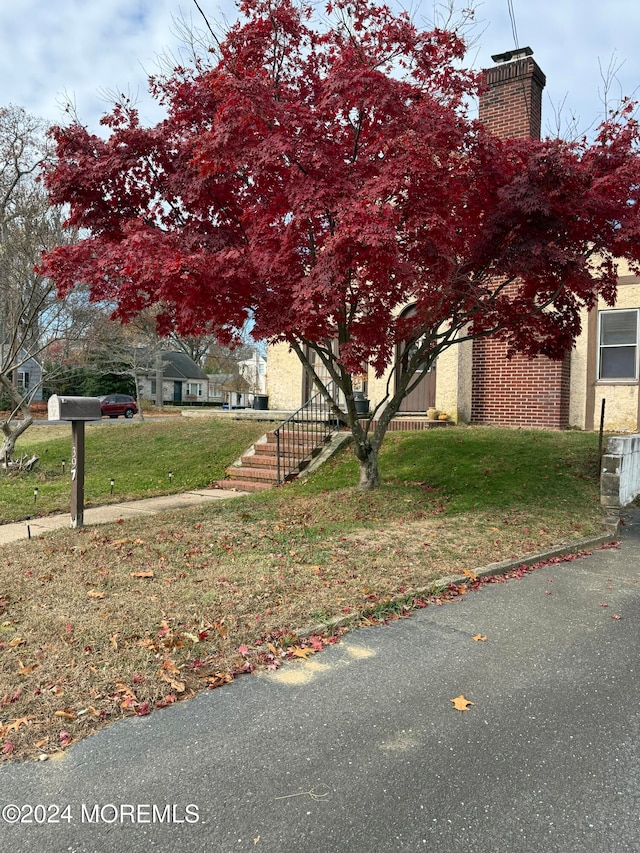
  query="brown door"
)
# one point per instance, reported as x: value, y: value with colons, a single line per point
x: 424, y: 394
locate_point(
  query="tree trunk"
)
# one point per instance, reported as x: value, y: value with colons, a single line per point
x: 6, y: 450
x: 136, y: 378
x: 369, y: 474
x: 11, y: 432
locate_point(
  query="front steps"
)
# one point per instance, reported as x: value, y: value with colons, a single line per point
x: 257, y: 469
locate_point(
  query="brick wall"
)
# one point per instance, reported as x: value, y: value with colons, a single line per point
x: 518, y: 391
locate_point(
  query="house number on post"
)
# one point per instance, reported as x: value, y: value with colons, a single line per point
x: 77, y: 474
x: 78, y: 410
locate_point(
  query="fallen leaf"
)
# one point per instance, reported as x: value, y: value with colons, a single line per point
x: 472, y: 575
x: 64, y: 738
x: 461, y: 704
x: 123, y: 688
x: 221, y: 629
x: 616, y: 616
x: 219, y: 679
x: 148, y: 574
x: 167, y: 672
x: 479, y: 638
x: 18, y: 722
x: 95, y: 593
x: 170, y: 666
x: 17, y: 641
x: 299, y: 652
x: 27, y: 670
x: 66, y: 713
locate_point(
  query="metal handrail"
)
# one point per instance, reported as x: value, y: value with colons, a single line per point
x: 302, y: 434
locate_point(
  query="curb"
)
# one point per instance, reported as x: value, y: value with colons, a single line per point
x: 500, y: 568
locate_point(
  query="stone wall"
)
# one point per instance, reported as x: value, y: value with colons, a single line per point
x: 620, y: 472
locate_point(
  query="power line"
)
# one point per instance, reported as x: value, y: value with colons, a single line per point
x: 512, y: 18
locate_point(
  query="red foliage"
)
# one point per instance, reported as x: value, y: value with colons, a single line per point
x: 319, y: 180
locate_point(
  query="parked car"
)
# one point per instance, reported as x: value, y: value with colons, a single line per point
x: 118, y: 404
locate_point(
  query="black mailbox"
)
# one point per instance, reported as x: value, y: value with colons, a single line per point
x: 63, y: 408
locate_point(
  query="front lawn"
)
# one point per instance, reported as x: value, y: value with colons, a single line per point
x: 125, y: 619
x: 137, y: 455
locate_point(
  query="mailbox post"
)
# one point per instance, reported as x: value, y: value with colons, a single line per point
x: 78, y: 410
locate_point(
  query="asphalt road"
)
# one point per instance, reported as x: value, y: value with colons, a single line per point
x: 361, y: 748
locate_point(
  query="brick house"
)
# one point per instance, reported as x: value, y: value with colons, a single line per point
x: 474, y: 382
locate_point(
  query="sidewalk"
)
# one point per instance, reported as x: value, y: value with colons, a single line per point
x: 112, y: 512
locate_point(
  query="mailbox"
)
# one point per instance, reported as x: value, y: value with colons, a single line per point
x: 65, y: 408
x: 77, y: 410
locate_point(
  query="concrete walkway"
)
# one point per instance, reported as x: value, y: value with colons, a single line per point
x: 113, y: 512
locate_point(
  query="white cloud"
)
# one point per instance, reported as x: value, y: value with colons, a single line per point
x: 85, y: 48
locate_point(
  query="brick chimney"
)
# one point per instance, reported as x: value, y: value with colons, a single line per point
x: 519, y: 391
x: 511, y: 103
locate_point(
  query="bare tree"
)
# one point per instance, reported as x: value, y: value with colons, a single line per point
x: 31, y: 315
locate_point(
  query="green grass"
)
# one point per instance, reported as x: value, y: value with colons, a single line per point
x: 137, y: 455
x: 460, y: 471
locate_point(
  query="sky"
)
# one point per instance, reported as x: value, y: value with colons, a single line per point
x: 85, y: 51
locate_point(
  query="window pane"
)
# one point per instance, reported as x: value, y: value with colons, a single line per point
x: 618, y: 327
x: 618, y: 363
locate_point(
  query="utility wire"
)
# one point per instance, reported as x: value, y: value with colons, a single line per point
x: 512, y: 17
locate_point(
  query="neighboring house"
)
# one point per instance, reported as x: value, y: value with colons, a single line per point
x: 475, y: 382
x: 28, y: 377
x: 230, y: 389
x: 254, y: 370
x: 182, y: 381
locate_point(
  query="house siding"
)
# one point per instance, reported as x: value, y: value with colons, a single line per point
x: 622, y: 399
x: 284, y: 378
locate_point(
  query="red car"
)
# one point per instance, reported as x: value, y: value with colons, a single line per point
x: 118, y: 404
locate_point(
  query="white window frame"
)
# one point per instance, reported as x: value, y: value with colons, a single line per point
x: 194, y: 385
x: 24, y: 380
x: 601, y: 346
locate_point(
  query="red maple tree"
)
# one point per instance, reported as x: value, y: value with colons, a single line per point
x: 319, y: 178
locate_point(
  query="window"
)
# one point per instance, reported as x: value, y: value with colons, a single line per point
x: 194, y: 389
x: 23, y: 380
x: 618, y: 345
